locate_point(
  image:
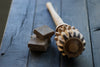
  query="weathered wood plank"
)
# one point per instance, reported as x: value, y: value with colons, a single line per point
x: 96, y: 47
x: 51, y: 57
x: 94, y: 13
x: 74, y: 12
x: 17, y: 34
x: 94, y: 20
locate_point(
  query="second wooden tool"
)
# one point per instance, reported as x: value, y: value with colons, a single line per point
x: 69, y: 40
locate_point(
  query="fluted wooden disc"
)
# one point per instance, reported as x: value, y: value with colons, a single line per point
x: 73, y: 47
x: 69, y: 40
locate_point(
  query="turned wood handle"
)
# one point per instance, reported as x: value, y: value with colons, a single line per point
x: 55, y: 16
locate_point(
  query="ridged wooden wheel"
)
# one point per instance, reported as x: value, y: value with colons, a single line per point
x: 69, y: 40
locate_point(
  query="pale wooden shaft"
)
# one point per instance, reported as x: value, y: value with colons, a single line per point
x: 55, y: 16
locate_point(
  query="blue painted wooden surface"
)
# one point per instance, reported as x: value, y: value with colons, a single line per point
x: 25, y: 15
x: 94, y: 21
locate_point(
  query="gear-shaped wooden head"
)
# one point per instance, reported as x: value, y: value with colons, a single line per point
x: 69, y: 40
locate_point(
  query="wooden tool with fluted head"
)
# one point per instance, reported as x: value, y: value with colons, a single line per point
x: 69, y: 40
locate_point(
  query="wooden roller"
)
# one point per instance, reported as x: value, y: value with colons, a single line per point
x: 69, y: 40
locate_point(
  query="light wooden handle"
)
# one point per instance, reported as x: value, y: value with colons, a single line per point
x: 55, y: 16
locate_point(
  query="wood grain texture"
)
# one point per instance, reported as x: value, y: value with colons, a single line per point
x: 94, y: 14
x: 94, y: 21
x: 96, y: 47
x: 74, y: 12
x: 17, y: 34
x: 51, y: 57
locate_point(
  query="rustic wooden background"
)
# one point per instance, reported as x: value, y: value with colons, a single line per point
x: 25, y: 15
